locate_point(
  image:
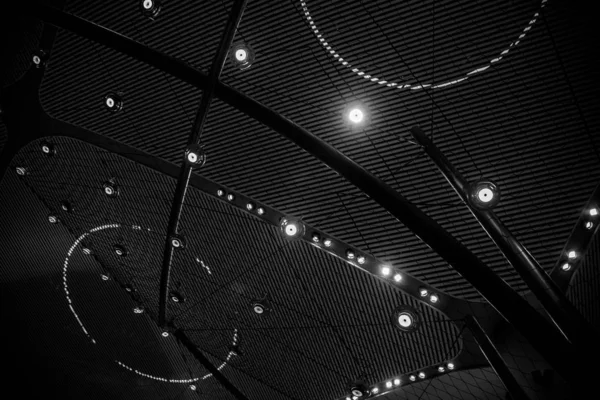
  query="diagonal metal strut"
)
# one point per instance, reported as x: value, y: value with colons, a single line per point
x: 233, y: 21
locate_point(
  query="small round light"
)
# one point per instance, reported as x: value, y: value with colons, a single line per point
x: 113, y: 101
x: 109, y: 190
x: 375, y: 390
x: 249, y: 206
x: 327, y: 242
x: 138, y: 310
x: 385, y: 271
x: 441, y: 369
x: 291, y: 229
x: 405, y: 319
x: 48, y: 148
x: 388, y: 384
x: 450, y: 366
x: 192, y: 157
x: 423, y: 292
x: 434, y: 298
x: 176, y: 242
x: 316, y: 238
x: 412, y: 378
x: 593, y: 212
x: 241, y: 55
x: 396, y: 382
x: 260, y: 210
x: 356, y: 115
x: 349, y: 254
x: 110, y: 102
x: 53, y: 219
x: 20, y: 171
x: 148, y: 4
x: 572, y: 254
x: 566, y: 267
x: 589, y: 225
x: 422, y: 375
x: 220, y: 193
x: 165, y: 334
x: 397, y: 277
x: 361, y: 259
x: 259, y: 309
x: 150, y: 8
x: 230, y: 197
x: 485, y: 195
x: 37, y: 60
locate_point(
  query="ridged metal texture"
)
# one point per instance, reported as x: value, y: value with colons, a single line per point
x: 527, y: 123
x: 3, y: 135
x: 584, y: 290
x: 19, y: 41
x: 330, y: 323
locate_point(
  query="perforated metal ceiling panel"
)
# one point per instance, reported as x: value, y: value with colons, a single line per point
x: 516, y: 123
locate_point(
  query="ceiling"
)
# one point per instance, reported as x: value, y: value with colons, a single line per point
x: 508, y: 92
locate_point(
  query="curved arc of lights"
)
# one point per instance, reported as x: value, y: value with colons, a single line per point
x: 365, y: 75
x: 85, y: 331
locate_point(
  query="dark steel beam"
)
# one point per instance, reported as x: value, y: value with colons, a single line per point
x: 197, y: 353
x: 579, y: 240
x: 233, y: 21
x: 559, y: 308
x: 495, y: 359
x: 538, y: 331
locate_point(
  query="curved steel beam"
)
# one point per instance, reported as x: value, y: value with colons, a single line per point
x: 537, y: 330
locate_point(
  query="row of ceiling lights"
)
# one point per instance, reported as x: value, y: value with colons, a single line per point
x: 589, y: 223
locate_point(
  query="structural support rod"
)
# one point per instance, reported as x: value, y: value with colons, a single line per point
x: 233, y: 21
x: 495, y: 359
x: 560, y: 309
x: 536, y: 329
x: 191, y: 346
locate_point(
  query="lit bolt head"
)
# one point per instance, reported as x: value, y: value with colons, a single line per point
x: 589, y: 225
x: 36, y: 60
x: 109, y: 190
x: 165, y: 334
x: 388, y: 384
x: 230, y: 197
x: 350, y: 254
x: 385, y: 271
x: 397, y: 277
x: 45, y: 149
x: 423, y: 292
x: 316, y: 238
x: 220, y: 193
x: 327, y: 242
x: 20, y: 171
x: 148, y: 4
x: 110, y: 102
x: 375, y: 390
x: 572, y: 254
x: 104, y: 277
x: 566, y: 266
x: 422, y: 375
x: 434, y: 298
x: 260, y: 211
x: 175, y: 299
x: 361, y: 259
x: 52, y: 219
x: 193, y: 387
x: 450, y: 366
x: 396, y: 382
x: 176, y: 242
x: 249, y: 206
x: 192, y: 157
x: 412, y: 378
x: 259, y: 309
x: 441, y: 369
x: 593, y: 212
x: 138, y: 310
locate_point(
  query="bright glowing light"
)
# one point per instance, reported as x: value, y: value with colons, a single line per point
x: 249, y: 206
x: 148, y: 4
x: 110, y: 102
x: 220, y: 193
x: 423, y: 292
x: 192, y: 157
x: 230, y: 197
x: 450, y: 366
x: 485, y: 195
x: 260, y: 211
x: 241, y: 54
x: 385, y: 271
x: 396, y: 382
x: 388, y: 384
x: 361, y: 259
x: 316, y: 238
x: 405, y: 320
x: 259, y: 309
x: 422, y: 375
x: 397, y: 277
x: 291, y: 229
x: 441, y: 369
x: 572, y: 254
x: 566, y: 266
x: 350, y: 254
x: 356, y: 115
x: 412, y: 378
x: 434, y: 298
x: 593, y: 212
x: 327, y: 242
x: 375, y: 390
x: 589, y: 225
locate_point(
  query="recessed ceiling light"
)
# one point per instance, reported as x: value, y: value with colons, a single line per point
x: 422, y: 375
x: 385, y: 271
x: 572, y: 254
x: 484, y: 194
x: 396, y: 382
x: 241, y: 55
x: 113, y: 102
x: 150, y: 8
x: 450, y: 366
x: 388, y: 384
x: 593, y: 212
x: 291, y: 228
x: 412, y: 378
x: 397, y: 277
